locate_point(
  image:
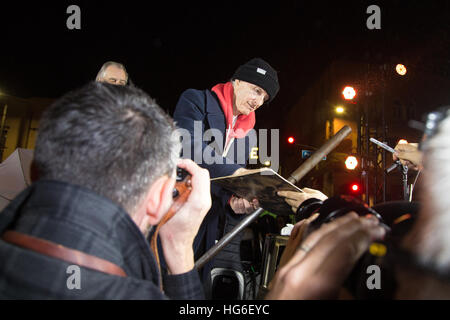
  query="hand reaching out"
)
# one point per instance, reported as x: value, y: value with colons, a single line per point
x: 295, y: 199
x: 322, y: 262
x: 409, y: 155
x: 242, y: 206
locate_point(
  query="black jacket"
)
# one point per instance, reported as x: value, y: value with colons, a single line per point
x: 80, y: 219
x: 204, y: 107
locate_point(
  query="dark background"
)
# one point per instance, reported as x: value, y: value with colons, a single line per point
x: 170, y: 46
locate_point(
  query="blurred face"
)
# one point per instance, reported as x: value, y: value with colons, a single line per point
x: 114, y: 75
x: 247, y: 97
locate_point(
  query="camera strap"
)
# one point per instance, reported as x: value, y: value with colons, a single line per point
x: 60, y: 252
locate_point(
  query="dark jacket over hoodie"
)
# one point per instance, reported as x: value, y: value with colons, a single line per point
x: 80, y: 219
x: 204, y: 107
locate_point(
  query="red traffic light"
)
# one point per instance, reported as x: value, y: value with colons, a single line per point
x: 291, y: 140
x: 351, y: 187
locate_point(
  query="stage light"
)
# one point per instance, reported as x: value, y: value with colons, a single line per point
x: 349, y: 93
x: 291, y: 140
x: 402, y: 141
x: 401, y: 69
x: 340, y: 109
x: 351, y: 162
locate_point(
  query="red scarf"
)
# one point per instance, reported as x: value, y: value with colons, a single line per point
x: 244, y: 123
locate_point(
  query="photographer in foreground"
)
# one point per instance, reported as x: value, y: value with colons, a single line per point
x: 106, y: 157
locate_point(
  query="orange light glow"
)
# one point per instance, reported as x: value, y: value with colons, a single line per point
x: 401, y: 69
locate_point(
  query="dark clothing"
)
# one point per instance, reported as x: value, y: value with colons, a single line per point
x: 204, y: 107
x: 82, y: 220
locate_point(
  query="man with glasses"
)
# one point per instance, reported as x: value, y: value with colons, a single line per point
x: 229, y: 109
x: 113, y: 73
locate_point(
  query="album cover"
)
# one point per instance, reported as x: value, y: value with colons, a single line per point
x: 262, y: 184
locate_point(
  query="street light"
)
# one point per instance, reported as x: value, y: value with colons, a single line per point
x: 340, y: 109
x: 351, y: 162
x: 349, y: 93
x: 401, y: 69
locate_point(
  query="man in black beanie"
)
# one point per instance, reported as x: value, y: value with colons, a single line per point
x: 230, y: 108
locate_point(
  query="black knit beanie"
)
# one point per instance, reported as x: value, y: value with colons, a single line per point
x: 260, y: 73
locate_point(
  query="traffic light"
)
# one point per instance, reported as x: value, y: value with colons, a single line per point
x: 291, y: 140
x: 351, y: 162
x: 354, y: 187
x: 351, y: 187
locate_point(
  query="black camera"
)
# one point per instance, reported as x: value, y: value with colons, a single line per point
x: 336, y: 207
x: 397, y: 217
x: 181, y: 175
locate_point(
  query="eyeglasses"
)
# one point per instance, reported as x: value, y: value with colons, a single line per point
x: 116, y: 81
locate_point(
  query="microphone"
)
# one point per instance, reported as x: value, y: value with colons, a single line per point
x: 396, y: 164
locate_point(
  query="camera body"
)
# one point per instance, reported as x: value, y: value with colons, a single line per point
x: 396, y: 216
x: 335, y: 207
x: 181, y: 174
x: 182, y: 181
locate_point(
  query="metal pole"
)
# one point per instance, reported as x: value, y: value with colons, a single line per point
x: 384, y: 133
x: 227, y: 238
x: 294, y: 178
x: 367, y: 161
x: 405, y: 183
x: 317, y: 156
x: 2, y: 126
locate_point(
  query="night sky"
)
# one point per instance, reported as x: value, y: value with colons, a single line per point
x: 170, y: 46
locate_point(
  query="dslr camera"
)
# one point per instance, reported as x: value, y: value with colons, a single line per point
x: 397, y: 217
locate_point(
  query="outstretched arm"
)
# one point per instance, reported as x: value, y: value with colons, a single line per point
x: 409, y: 155
x: 323, y: 261
x: 295, y: 199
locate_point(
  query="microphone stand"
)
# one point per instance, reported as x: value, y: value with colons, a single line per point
x: 295, y: 177
x: 404, y: 171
